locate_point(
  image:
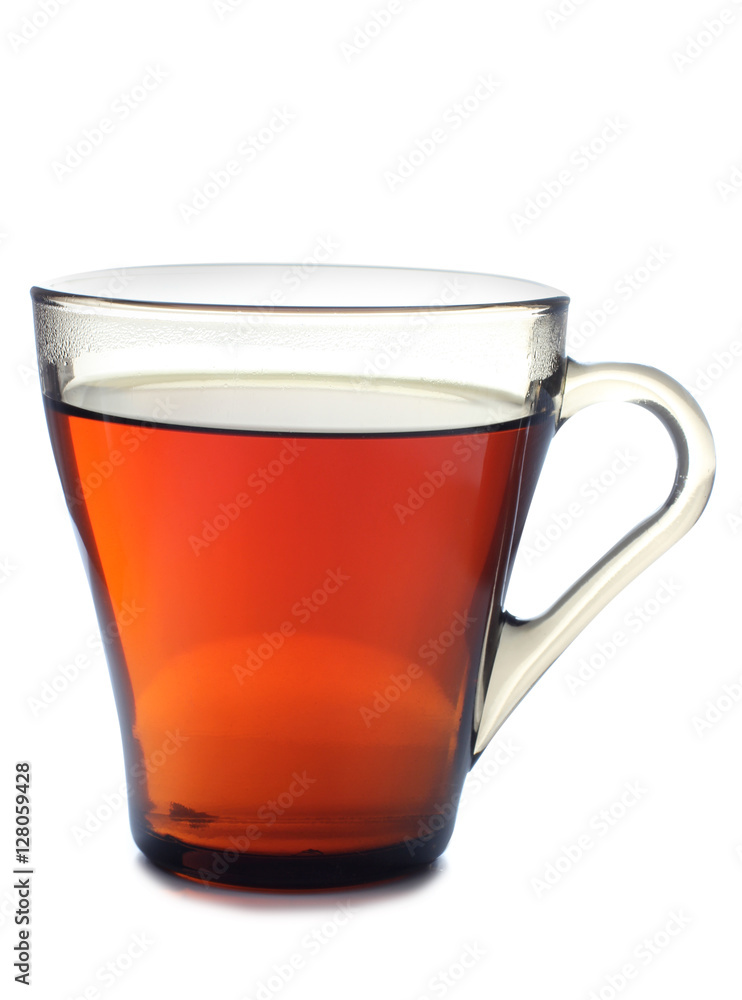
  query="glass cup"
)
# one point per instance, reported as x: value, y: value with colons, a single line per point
x: 299, y: 499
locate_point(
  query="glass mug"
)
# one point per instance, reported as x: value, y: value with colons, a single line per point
x: 299, y: 520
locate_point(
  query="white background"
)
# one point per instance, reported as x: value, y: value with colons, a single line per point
x: 653, y: 192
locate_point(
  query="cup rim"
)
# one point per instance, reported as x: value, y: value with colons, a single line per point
x: 506, y: 292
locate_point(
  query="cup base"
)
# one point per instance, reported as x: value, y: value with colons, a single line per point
x: 309, y: 870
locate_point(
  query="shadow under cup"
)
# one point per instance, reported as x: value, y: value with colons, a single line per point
x: 298, y: 524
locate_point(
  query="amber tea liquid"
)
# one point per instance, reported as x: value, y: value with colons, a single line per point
x: 297, y: 576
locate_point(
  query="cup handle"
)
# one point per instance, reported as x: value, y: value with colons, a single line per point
x: 526, y: 648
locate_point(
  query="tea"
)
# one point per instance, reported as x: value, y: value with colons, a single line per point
x: 311, y: 567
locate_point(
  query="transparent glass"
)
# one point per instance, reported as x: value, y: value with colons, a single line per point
x: 299, y: 496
